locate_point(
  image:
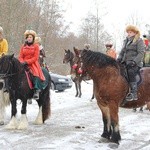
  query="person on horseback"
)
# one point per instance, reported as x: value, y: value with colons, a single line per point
x: 29, y: 55
x: 146, y: 39
x: 132, y: 54
x: 42, y: 53
x: 3, y: 43
x: 110, y: 51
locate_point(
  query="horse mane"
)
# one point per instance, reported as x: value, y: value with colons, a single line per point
x: 98, y: 59
x: 14, y: 61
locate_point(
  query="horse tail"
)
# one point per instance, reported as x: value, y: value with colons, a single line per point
x: 46, y: 107
x: 4, y: 101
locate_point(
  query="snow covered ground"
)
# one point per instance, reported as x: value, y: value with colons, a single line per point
x: 75, y: 124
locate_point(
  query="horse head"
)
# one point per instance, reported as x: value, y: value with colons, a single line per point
x: 68, y: 56
x: 7, y: 67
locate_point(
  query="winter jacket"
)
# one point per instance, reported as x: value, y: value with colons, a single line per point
x: 132, y: 51
x: 30, y: 55
x: 3, y: 47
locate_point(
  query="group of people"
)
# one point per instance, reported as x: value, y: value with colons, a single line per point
x: 131, y: 55
x: 29, y: 55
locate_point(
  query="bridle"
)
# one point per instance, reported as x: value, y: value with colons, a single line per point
x: 7, y: 74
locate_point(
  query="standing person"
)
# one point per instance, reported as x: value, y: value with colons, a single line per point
x: 29, y: 55
x: 132, y: 54
x: 110, y: 51
x: 3, y: 43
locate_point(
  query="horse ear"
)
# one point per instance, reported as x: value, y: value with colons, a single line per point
x: 76, y: 50
x: 65, y: 50
x: 11, y: 56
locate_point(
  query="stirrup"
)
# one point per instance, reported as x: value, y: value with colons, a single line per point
x: 36, y: 95
x: 129, y: 97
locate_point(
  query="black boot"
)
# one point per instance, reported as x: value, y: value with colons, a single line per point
x: 133, y: 93
x: 36, y: 94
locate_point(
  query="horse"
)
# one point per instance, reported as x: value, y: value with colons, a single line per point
x: 111, y: 88
x: 19, y: 88
x: 76, y: 76
x: 4, y: 101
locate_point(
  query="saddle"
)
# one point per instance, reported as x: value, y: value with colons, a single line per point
x: 138, y: 76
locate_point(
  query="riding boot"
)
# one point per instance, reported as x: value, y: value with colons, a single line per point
x: 36, y: 94
x: 132, y: 95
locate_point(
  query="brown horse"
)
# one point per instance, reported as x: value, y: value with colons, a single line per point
x: 76, y: 76
x: 110, y: 89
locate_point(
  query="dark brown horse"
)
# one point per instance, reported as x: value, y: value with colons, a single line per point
x: 110, y: 89
x: 75, y: 71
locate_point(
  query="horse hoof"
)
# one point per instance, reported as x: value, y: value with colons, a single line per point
x: 10, y: 127
x: 113, y: 145
x: 1, y: 123
x: 103, y: 140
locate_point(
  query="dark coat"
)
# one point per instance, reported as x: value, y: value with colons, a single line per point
x: 132, y: 51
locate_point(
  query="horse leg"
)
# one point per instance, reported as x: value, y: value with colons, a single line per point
x: 115, y: 136
x: 13, y: 124
x: 44, y: 107
x: 23, y: 124
x: 2, y: 107
x: 106, y: 121
x: 141, y: 109
x: 76, y: 85
x: 39, y: 118
x: 79, y: 86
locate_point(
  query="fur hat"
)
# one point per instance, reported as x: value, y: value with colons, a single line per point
x: 109, y: 45
x: 87, y: 46
x: 38, y: 40
x: 30, y: 32
x: 135, y: 30
x: 1, y: 29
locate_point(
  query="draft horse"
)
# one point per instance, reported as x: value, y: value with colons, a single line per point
x: 110, y: 89
x: 18, y: 88
x: 76, y: 75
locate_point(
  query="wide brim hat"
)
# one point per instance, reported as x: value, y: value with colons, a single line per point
x: 30, y: 32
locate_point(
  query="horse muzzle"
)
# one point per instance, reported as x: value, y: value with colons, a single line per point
x: 2, y: 84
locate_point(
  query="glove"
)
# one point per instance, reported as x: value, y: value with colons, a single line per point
x: 25, y: 65
x: 119, y: 61
x: 131, y: 64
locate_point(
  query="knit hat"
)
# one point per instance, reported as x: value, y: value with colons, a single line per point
x: 30, y: 32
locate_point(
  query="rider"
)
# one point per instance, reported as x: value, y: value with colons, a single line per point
x: 3, y: 43
x: 110, y: 51
x: 132, y: 54
x: 42, y: 53
x: 146, y: 40
x: 29, y: 55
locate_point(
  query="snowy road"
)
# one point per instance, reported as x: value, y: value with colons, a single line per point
x: 75, y: 124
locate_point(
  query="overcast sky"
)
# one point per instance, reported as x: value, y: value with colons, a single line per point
x: 115, y: 12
